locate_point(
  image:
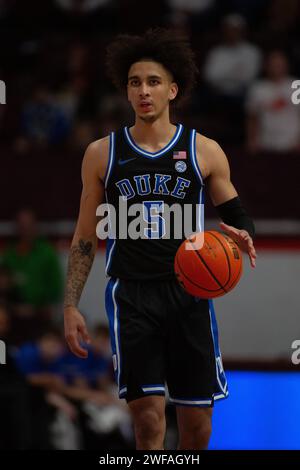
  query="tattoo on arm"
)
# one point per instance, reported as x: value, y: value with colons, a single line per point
x: 80, y: 262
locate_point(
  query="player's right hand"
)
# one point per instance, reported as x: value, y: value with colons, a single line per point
x: 76, y: 331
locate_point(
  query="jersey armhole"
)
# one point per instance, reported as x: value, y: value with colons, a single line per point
x: 111, y: 158
x: 193, y: 154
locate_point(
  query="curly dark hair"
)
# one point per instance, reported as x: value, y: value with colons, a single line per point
x: 164, y: 46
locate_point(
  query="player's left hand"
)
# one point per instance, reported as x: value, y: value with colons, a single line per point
x: 243, y: 239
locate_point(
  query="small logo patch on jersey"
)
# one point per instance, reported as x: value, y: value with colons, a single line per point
x: 181, y: 155
x: 114, y: 358
x: 180, y: 166
x: 122, y: 162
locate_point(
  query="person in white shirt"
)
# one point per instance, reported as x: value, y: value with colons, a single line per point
x: 273, y: 122
x: 233, y: 65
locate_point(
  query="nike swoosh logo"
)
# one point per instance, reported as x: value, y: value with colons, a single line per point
x: 122, y: 162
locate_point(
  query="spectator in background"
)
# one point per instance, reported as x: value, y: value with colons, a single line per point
x: 229, y: 70
x: 95, y: 372
x: 79, y: 390
x: 15, y: 430
x: 233, y: 65
x: 197, y: 15
x: 37, y: 279
x: 77, y: 95
x: 273, y: 122
x: 77, y: 100
x: 39, y: 362
x: 99, y: 368
x: 105, y: 421
x: 43, y: 121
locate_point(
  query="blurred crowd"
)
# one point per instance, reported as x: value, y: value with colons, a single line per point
x: 49, y: 398
x: 248, y: 53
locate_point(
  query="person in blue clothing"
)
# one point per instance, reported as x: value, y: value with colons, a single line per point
x: 41, y: 361
x: 95, y: 372
x: 47, y: 363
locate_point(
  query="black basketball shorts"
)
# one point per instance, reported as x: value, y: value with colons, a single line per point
x: 162, y: 335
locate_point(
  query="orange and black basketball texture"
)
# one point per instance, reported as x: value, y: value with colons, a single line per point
x: 212, y: 270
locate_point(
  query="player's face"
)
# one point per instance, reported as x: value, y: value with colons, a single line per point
x: 150, y: 89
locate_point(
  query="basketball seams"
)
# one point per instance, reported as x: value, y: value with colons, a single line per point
x: 241, y: 264
x: 209, y: 270
x: 192, y: 282
x: 226, y: 254
x: 237, y: 278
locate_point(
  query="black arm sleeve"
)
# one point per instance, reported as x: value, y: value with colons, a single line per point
x: 233, y: 213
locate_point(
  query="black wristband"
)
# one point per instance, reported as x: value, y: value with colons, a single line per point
x: 233, y: 213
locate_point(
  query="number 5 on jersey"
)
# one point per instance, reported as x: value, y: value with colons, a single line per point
x: 156, y: 223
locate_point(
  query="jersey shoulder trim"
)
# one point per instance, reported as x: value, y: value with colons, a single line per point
x: 111, y: 158
x: 193, y: 154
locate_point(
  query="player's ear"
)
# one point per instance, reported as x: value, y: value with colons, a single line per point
x: 173, y: 91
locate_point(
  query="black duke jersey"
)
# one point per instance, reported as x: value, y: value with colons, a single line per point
x: 146, y: 186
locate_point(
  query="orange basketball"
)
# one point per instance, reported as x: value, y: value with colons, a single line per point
x: 208, y: 264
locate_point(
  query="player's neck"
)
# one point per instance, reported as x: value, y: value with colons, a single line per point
x: 155, y: 134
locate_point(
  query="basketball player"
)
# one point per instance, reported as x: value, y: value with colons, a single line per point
x: 159, y: 334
